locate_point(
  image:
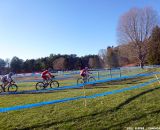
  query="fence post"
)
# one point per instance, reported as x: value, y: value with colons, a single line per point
x: 110, y: 73
x: 157, y: 78
x: 98, y: 74
x: 120, y: 72
x: 84, y: 94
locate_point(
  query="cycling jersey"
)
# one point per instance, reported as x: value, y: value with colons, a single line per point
x: 46, y: 75
x: 6, y: 78
x: 82, y: 72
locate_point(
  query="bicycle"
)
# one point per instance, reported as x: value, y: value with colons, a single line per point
x: 44, y: 84
x: 12, y: 87
x: 85, y: 79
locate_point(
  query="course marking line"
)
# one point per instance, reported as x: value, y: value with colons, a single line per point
x: 13, y: 108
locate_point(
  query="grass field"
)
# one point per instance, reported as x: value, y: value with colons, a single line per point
x: 135, y: 108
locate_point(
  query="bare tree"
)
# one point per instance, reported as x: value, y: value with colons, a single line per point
x: 126, y: 55
x: 135, y: 28
x: 103, y: 56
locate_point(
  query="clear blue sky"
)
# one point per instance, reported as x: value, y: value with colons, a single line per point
x: 37, y: 28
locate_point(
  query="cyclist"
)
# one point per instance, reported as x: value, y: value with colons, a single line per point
x: 85, y: 72
x: 46, y: 75
x: 6, y: 79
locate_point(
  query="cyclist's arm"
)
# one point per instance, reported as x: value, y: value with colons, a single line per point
x: 50, y: 75
x: 89, y: 72
x: 9, y: 80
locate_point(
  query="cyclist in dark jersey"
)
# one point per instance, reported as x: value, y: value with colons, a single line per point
x: 84, y: 72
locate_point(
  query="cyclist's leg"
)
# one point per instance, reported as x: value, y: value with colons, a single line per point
x: 4, y: 84
x: 82, y: 76
x: 44, y: 77
x: 85, y: 78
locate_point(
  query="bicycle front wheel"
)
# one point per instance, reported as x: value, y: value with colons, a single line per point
x: 1, y: 89
x: 12, y: 88
x: 54, y: 84
x: 40, y: 86
x: 91, y: 79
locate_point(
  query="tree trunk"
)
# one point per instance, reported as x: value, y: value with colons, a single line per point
x: 141, y: 64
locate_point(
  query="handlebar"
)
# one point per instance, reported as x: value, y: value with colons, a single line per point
x: 53, y: 77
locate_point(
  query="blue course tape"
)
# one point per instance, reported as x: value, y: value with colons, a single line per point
x: 122, y: 90
x: 80, y: 85
x: 73, y: 98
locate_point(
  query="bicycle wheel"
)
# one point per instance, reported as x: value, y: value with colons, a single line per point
x: 80, y: 81
x: 12, y: 88
x: 40, y: 86
x: 91, y: 79
x: 54, y: 84
x: 1, y: 89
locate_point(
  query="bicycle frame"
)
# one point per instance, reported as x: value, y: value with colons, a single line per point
x: 85, y: 79
x: 7, y: 85
x: 48, y: 82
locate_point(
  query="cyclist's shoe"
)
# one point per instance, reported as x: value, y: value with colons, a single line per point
x: 4, y: 89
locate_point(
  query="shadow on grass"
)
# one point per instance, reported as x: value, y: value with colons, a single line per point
x: 128, y: 81
x: 45, y: 92
x: 132, y: 119
x: 131, y: 81
x: 121, y: 105
x: 133, y: 98
x: 51, y: 91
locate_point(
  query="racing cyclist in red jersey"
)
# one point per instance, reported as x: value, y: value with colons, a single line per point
x: 46, y: 75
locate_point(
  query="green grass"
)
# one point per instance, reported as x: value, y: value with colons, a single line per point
x: 135, y: 108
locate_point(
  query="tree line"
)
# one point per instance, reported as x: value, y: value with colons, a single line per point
x: 55, y: 62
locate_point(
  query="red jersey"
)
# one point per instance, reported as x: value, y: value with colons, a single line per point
x: 46, y: 72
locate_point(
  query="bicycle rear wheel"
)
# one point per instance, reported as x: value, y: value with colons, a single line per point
x: 12, y: 88
x: 40, y: 86
x: 54, y: 84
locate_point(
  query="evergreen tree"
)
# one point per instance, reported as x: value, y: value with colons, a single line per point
x: 154, y: 47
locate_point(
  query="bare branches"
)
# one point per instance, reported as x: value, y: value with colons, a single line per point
x: 135, y: 28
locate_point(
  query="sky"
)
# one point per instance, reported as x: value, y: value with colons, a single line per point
x: 37, y: 28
